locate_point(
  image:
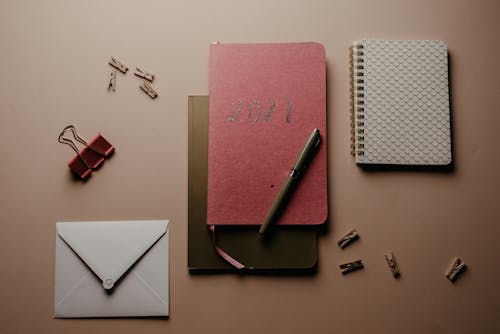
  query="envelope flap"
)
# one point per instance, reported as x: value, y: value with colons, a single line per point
x: 111, y: 248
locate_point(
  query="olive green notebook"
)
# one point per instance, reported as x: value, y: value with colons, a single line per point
x: 285, y: 249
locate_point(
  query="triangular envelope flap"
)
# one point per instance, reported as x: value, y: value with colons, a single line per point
x: 111, y: 248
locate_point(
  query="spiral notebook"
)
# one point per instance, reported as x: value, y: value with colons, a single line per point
x: 265, y: 99
x: 400, y: 110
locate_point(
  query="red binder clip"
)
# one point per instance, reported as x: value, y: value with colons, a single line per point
x: 91, y: 156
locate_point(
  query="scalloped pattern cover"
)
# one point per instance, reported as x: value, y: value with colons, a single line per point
x: 406, y: 103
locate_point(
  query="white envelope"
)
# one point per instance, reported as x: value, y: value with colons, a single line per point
x: 112, y: 269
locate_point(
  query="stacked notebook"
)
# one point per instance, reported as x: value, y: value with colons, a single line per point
x: 290, y: 249
x: 265, y: 99
x: 400, y: 110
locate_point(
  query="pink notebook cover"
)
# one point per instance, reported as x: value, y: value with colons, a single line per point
x: 265, y: 99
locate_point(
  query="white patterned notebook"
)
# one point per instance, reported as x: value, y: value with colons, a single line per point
x: 400, y: 111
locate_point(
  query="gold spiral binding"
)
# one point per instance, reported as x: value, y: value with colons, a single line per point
x: 351, y: 99
x: 356, y: 92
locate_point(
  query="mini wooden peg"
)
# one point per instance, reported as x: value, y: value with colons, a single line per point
x: 112, y: 80
x: 393, y: 265
x: 350, y: 266
x: 456, y: 268
x: 348, y: 238
x: 148, y: 90
x: 143, y: 74
x: 119, y: 66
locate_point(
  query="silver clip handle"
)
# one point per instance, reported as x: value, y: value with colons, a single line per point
x: 71, y: 142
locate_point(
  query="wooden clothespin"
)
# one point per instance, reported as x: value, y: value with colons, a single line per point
x: 148, y: 90
x: 348, y: 238
x: 119, y: 66
x: 350, y: 266
x: 393, y: 265
x: 143, y: 74
x: 112, y: 80
x: 457, y: 267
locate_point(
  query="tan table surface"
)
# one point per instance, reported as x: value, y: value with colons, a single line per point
x: 53, y: 67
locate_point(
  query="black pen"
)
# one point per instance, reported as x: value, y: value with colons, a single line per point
x: 298, y: 168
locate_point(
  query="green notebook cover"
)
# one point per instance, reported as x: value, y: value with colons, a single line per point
x: 285, y: 249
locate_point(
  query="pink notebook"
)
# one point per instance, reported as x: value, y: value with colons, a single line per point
x: 265, y: 99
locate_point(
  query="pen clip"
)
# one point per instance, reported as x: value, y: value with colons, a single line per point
x: 307, y: 152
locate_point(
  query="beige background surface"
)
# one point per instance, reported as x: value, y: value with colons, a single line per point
x: 53, y: 67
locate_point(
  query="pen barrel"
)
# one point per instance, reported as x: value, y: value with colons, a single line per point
x: 303, y: 159
x: 278, y: 204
